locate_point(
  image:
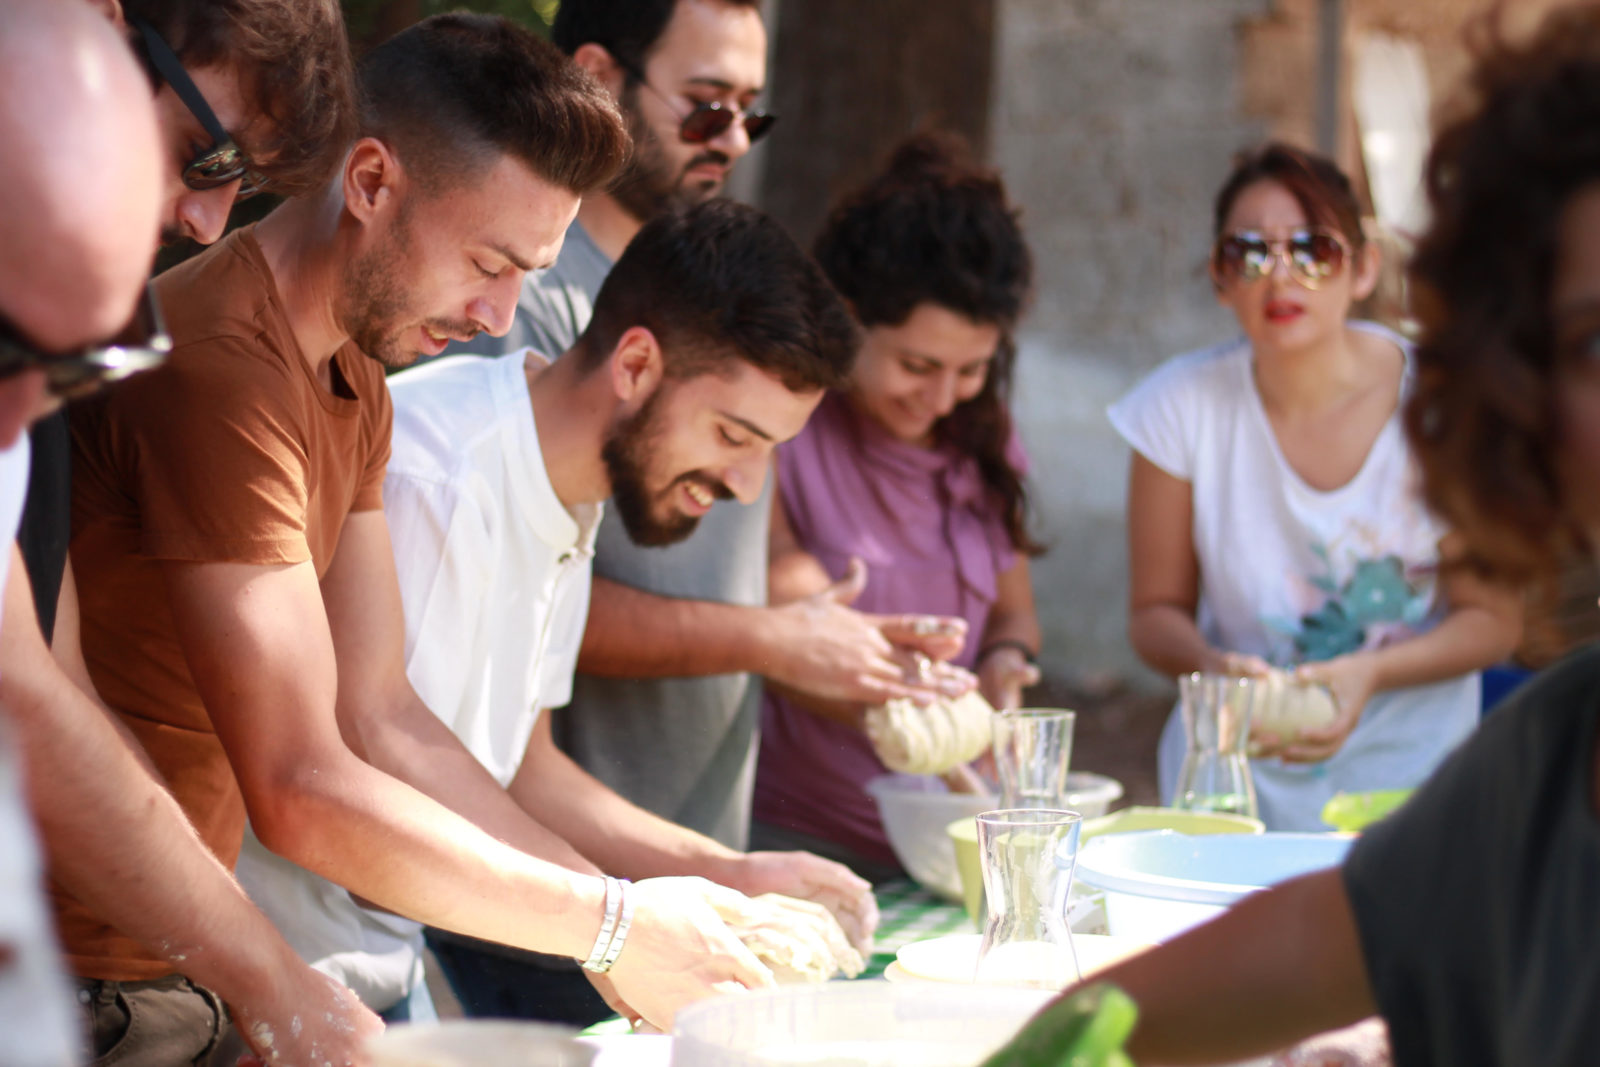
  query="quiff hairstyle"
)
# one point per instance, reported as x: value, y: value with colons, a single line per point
x: 454, y: 92
x: 294, y: 63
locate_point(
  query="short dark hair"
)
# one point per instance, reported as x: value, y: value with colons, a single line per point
x: 628, y: 29
x: 1484, y: 417
x: 935, y: 227
x: 723, y: 282
x: 1322, y: 190
x: 294, y: 63
x: 453, y: 92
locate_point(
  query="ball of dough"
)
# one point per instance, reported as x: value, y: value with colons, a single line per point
x: 930, y: 739
x: 1286, y: 707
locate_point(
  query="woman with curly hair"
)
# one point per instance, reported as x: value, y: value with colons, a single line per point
x: 1468, y: 919
x: 914, y: 470
x: 1273, y: 515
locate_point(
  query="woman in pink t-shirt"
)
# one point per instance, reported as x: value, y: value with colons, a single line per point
x: 915, y: 470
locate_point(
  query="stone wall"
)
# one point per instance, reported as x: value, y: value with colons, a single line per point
x: 1114, y: 120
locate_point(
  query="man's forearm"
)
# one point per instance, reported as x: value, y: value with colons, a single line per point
x: 1278, y: 967
x: 347, y: 821
x: 113, y: 836
x: 632, y: 633
x: 412, y: 744
x: 622, y: 838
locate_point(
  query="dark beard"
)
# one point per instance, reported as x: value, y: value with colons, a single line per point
x: 647, y: 187
x: 626, y: 453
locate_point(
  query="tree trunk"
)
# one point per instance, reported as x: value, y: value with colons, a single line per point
x: 852, y: 77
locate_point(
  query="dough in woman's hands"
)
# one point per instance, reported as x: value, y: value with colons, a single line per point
x: 799, y: 941
x: 1285, y: 707
x: 930, y: 739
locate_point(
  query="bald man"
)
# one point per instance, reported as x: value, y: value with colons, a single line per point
x: 76, y: 243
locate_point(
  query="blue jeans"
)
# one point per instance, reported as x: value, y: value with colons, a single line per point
x: 495, y: 982
x: 415, y: 1007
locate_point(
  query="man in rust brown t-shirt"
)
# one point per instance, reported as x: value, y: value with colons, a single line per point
x: 240, y: 606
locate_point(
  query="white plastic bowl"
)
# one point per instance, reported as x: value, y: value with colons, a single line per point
x: 916, y: 812
x: 479, y: 1043
x: 863, y: 1024
x: 1160, y: 883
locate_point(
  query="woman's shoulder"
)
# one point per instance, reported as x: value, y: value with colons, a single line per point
x: 1196, y: 378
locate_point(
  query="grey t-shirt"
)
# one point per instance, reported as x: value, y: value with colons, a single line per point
x: 683, y: 748
x: 1478, y: 903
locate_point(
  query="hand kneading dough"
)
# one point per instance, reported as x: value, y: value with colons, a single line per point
x: 1285, y: 707
x: 931, y: 739
x: 798, y: 940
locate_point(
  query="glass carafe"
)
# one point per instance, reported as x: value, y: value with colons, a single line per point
x: 1028, y: 855
x: 1216, y: 722
x: 1032, y: 753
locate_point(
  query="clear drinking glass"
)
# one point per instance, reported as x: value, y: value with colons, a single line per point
x: 1032, y: 751
x: 1216, y: 721
x: 1028, y: 855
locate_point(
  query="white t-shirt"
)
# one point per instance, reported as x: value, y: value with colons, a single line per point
x: 36, y: 1016
x: 1294, y: 574
x: 494, y: 578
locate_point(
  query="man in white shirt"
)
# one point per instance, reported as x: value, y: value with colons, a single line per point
x: 493, y: 494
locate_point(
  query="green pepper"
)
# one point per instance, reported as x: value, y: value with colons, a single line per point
x: 1086, y: 1029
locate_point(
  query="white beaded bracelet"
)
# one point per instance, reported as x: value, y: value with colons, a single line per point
x: 624, y: 923
x: 608, y: 927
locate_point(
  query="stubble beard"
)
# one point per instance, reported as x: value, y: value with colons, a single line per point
x: 648, y: 185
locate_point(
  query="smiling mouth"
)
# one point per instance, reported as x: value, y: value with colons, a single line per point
x: 700, y: 494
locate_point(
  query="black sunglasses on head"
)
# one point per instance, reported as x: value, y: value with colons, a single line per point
x: 708, y: 120
x: 142, y: 344
x: 224, y: 162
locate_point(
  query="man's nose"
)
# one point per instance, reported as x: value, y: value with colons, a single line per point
x: 744, y: 480
x: 734, y: 141
x: 496, y: 309
x: 203, y: 215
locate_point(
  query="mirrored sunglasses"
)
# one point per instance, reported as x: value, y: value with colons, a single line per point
x: 141, y: 345
x: 224, y: 162
x: 1311, y: 256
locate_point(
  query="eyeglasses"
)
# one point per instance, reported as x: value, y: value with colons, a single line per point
x: 142, y: 344
x: 224, y: 162
x: 1312, y: 256
x: 707, y: 121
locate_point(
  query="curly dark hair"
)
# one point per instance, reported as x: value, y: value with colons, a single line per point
x: 934, y: 227
x: 1483, y: 418
x: 295, y: 64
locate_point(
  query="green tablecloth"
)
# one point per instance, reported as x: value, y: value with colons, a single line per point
x: 907, y: 913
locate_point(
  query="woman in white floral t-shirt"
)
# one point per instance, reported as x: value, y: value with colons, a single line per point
x: 1273, y: 511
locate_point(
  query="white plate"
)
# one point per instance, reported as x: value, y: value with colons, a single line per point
x: 954, y: 958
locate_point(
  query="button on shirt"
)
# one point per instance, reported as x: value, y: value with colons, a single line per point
x: 494, y: 577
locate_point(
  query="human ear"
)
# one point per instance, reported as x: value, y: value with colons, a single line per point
x: 1365, y: 270
x: 636, y: 367
x: 600, y: 64
x: 371, y: 173
x: 112, y: 9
